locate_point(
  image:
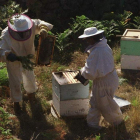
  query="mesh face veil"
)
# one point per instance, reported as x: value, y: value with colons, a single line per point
x: 19, y: 27
x: 20, y: 36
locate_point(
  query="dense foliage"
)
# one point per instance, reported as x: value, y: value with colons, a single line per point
x: 7, y: 11
x: 67, y: 41
x: 116, y: 25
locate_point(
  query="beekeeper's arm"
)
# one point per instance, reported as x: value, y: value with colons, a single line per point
x: 42, y: 27
x: 99, y: 64
x: 4, y: 48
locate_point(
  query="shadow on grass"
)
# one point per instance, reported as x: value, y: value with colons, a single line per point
x: 118, y: 133
x: 133, y: 76
x: 78, y: 130
x: 33, y: 121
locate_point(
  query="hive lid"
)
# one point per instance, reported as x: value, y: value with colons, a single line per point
x: 121, y: 102
x: 131, y: 34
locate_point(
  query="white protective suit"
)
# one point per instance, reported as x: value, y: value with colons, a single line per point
x: 21, y: 48
x: 99, y: 67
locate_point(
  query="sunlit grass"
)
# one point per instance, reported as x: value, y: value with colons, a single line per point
x: 117, y: 53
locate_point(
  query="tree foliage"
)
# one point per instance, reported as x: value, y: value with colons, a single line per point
x: 7, y: 11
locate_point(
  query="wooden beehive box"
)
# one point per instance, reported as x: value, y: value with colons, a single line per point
x: 130, y: 50
x: 70, y: 97
x: 68, y: 90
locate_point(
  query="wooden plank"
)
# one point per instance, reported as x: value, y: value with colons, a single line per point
x: 54, y: 112
x: 127, y: 36
x: 130, y: 62
x: 130, y: 47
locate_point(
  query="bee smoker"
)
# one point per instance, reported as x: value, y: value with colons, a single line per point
x: 80, y: 78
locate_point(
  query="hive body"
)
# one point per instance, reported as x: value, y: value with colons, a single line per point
x: 130, y: 50
x: 70, y: 97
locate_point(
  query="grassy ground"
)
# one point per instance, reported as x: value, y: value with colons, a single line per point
x: 37, y: 122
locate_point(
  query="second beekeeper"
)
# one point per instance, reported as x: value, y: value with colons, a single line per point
x: 100, y: 68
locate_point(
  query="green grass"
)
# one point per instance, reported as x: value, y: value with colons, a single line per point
x: 117, y: 54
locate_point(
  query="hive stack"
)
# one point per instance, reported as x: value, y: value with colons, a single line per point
x: 130, y: 50
x: 70, y: 97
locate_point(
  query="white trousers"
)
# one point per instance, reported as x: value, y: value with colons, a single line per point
x: 17, y: 75
x: 102, y: 102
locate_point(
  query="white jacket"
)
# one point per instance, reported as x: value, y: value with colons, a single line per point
x: 100, y: 61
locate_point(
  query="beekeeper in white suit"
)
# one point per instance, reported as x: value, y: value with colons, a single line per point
x: 100, y: 68
x: 18, y: 40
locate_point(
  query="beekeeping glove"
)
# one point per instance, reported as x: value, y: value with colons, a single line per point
x: 12, y: 57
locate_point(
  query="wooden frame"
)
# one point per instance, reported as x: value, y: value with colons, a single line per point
x: 42, y: 48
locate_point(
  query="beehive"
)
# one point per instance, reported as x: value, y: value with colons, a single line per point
x: 70, y: 97
x: 130, y: 50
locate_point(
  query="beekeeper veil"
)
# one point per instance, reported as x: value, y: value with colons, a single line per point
x: 19, y: 27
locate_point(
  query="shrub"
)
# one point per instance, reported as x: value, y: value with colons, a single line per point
x: 62, y: 40
x: 136, y: 22
x: 63, y: 45
x: 7, y: 11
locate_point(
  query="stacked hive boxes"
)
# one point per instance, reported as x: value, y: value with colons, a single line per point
x: 70, y: 97
x: 130, y: 50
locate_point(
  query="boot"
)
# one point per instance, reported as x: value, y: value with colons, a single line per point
x: 17, y: 108
x: 31, y: 97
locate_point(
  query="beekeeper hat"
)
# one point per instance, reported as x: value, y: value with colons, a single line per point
x: 20, y: 23
x: 92, y: 31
